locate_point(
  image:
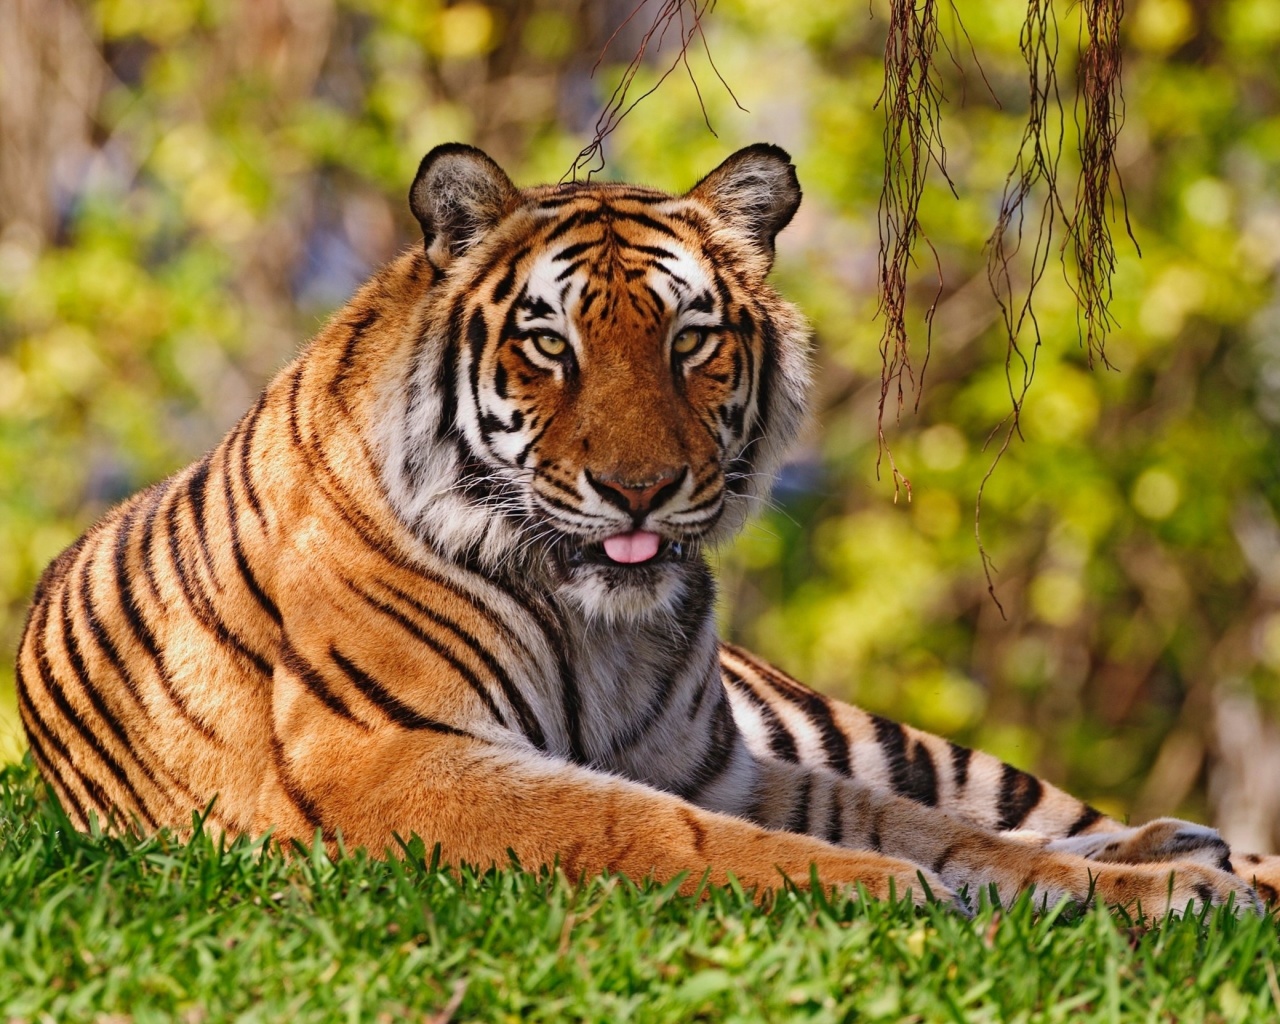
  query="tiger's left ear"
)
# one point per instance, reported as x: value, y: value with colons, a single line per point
x: 755, y: 190
x: 458, y: 196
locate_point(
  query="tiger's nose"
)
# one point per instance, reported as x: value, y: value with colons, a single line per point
x: 638, y: 498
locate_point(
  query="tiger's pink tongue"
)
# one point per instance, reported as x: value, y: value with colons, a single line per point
x: 630, y: 548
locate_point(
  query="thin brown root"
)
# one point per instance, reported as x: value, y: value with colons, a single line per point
x: 1100, y: 94
x: 686, y: 18
x: 989, y: 569
x: 1087, y: 228
x: 912, y: 99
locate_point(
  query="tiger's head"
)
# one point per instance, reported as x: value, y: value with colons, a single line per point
x: 605, y: 382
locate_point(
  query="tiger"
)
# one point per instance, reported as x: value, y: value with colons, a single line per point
x: 448, y: 576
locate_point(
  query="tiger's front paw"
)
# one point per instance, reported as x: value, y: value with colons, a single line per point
x: 1177, y: 887
x: 1156, y: 842
x: 1262, y: 872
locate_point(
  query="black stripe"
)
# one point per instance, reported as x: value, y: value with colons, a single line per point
x: 874, y: 841
x: 345, y: 506
x: 715, y: 499
x: 491, y: 424
x: 505, y: 283
x: 675, y: 665
x: 357, y: 328
x: 712, y: 681
x: 815, y: 706
x: 1087, y: 817
x: 570, y: 270
x: 61, y: 791
x: 246, y: 447
x: 76, y: 656
x: 237, y: 552
x: 835, y: 818
x: 716, y: 758
x: 960, y: 757
x: 528, y: 721
x: 90, y: 785
x: 524, y: 452
x: 575, y: 219
x: 563, y: 506
x: 197, y: 494
x: 102, y: 638
x: 571, y: 704
x: 156, y: 495
x: 799, y: 819
x: 659, y: 307
x: 1019, y: 795
x: 711, y: 480
x: 98, y: 631
x: 447, y: 378
x: 760, y: 378
x: 553, y: 630
x: 315, y: 682
x: 652, y: 250
x: 546, y: 477
x: 692, y: 218
x: 477, y: 339
x: 395, y: 709
x: 576, y: 249
x: 198, y: 599
x: 431, y: 642
x: 88, y: 735
x: 645, y: 220
x: 911, y: 769
x: 295, y: 389
x: 781, y: 743
x: 142, y: 631
x: 308, y: 808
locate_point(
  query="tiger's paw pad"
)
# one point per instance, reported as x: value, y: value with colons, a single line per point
x: 1165, y: 839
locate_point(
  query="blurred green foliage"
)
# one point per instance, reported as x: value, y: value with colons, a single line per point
x: 243, y: 166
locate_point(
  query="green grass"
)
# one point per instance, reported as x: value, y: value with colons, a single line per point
x: 96, y: 928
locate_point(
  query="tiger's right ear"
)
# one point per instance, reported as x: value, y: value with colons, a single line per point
x: 755, y: 190
x: 458, y: 196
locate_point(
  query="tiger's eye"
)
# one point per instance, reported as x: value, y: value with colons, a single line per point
x: 687, y: 342
x: 550, y: 345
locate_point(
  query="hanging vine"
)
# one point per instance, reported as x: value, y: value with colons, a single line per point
x: 1087, y: 252
x: 682, y: 17
x: 912, y: 100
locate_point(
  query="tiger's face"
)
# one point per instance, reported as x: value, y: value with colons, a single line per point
x: 615, y: 375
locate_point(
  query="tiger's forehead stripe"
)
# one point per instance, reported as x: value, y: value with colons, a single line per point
x: 611, y: 219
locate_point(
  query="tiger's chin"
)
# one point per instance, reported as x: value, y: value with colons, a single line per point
x: 614, y: 591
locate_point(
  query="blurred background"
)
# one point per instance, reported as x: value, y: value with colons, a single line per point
x: 189, y: 187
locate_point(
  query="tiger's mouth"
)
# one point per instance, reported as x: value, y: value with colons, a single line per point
x: 629, y: 552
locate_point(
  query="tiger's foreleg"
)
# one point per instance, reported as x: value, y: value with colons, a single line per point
x: 480, y: 800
